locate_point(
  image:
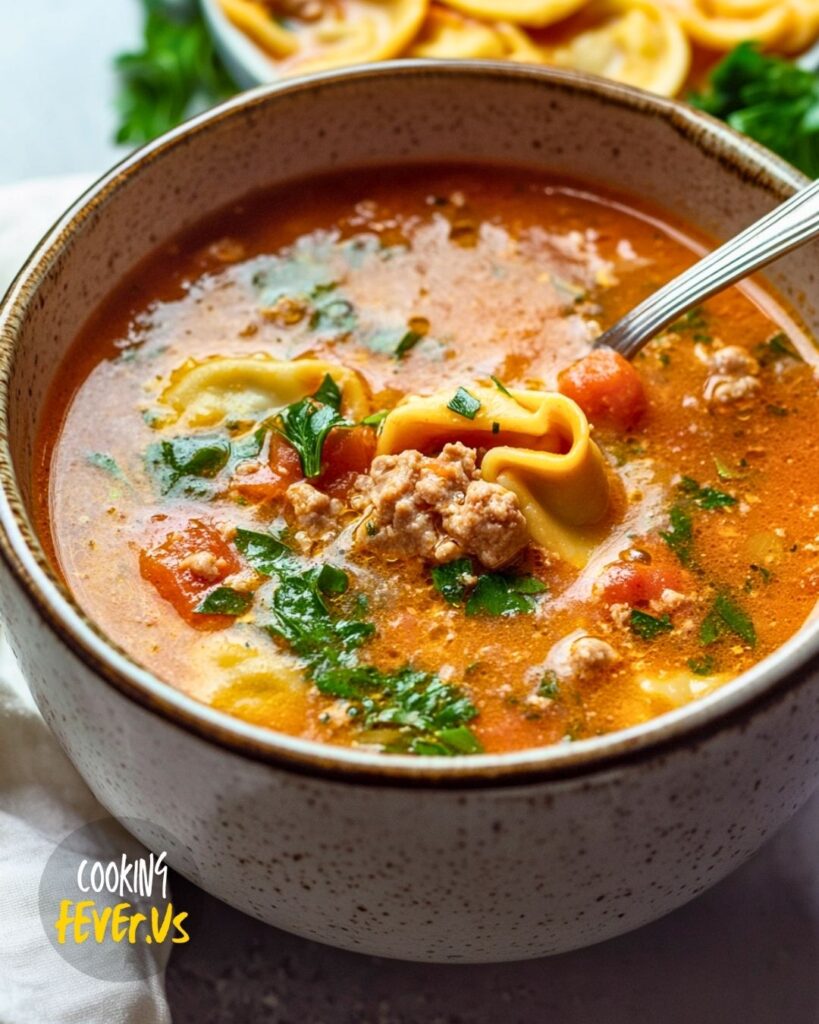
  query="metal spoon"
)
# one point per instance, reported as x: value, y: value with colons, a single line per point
x: 790, y: 225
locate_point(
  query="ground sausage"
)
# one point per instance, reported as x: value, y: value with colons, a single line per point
x: 437, y: 508
x: 733, y: 376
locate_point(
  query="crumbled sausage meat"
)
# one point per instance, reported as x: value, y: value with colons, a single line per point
x: 316, y: 513
x: 205, y: 565
x: 580, y: 657
x: 437, y: 508
x: 733, y: 375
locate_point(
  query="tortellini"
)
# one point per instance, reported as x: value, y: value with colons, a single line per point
x: 244, y: 390
x: 525, y: 12
x: 344, y: 32
x: 631, y: 41
x: 538, y: 447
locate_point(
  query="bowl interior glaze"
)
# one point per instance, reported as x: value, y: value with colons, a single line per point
x: 567, y: 124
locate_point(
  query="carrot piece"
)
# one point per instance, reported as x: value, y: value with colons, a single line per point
x: 164, y: 566
x: 271, y: 479
x: 347, y: 452
x: 606, y: 387
x: 635, y: 583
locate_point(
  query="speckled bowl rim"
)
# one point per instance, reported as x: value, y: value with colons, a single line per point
x: 733, y: 705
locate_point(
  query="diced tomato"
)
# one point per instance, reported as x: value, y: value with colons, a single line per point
x: 635, y: 583
x: 272, y: 478
x: 347, y: 452
x: 606, y: 387
x: 164, y: 565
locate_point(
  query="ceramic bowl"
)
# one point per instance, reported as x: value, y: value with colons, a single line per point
x: 465, y: 859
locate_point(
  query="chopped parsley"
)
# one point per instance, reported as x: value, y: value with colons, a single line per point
x: 375, y: 419
x: 777, y: 347
x: 706, y: 497
x: 428, y: 716
x: 727, y: 615
x: 105, y: 462
x: 464, y: 404
x: 549, y: 685
x: 702, y: 666
x: 307, y: 423
x: 500, y: 386
x: 770, y: 99
x: 225, y: 601
x: 646, y: 626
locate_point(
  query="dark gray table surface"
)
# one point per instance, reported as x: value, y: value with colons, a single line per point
x: 747, y: 951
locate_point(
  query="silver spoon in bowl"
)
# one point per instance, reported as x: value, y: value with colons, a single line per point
x: 790, y: 225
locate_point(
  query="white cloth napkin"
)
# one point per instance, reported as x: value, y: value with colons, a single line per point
x: 42, y: 797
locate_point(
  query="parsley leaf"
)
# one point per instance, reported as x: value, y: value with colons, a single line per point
x: 646, y: 626
x: 225, y: 601
x: 307, y: 423
x: 777, y: 347
x: 769, y: 99
x: 464, y: 404
x: 175, y: 74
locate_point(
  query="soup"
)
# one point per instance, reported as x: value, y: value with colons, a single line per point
x: 342, y: 463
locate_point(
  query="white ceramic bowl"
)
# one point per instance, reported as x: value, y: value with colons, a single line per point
x: 484, y: 858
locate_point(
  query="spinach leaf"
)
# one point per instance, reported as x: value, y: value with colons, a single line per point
x: 448, y: 579
x: 464, y: 404
x: 705, y: 497
x: 492, y: 593
x: 680, y: 538
x: 332, y: 580
x: 504, y: 595
x: 430, y: 714
x: 181, y: 463
x: 646, y: 626
x: 225, y: 601
x: 727, y: 615
x: 702, y: 666
x: 307, y: 423
x: 265, y: 552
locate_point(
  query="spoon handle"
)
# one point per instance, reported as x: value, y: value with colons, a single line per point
x: 784, y: 228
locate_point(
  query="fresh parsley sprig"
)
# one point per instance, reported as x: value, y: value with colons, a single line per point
x: 769, y: 99
x: 176, y: 74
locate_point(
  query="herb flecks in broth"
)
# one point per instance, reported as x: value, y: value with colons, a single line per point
x: 362, y: 481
